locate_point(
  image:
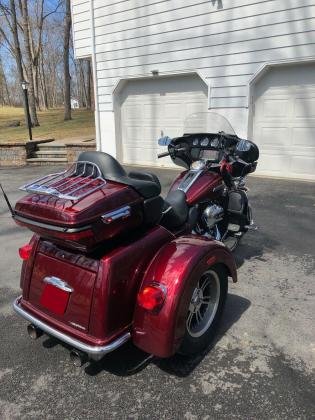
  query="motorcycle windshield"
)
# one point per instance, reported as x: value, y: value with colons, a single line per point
x: 207, y: 122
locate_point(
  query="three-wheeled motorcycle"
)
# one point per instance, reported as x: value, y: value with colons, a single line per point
x: 111, y: 260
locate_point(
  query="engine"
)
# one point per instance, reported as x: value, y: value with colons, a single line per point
x: 212, y: 215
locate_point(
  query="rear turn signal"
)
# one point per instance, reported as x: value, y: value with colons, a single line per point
x: 25, y: 251
x: 152, y: 297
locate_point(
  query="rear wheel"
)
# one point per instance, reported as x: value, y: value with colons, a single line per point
x: 205, y: 310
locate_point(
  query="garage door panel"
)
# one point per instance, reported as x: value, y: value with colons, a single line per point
x: 146, y: 155
x: 303, y: 136
x: 132, y: 111
x: 304, y: 108
x: 195, y: 107
x: 154, y: 108
x: 303, y: 164
x: 273, y: 136
x: 274, y: 162
x: 152, y: 111
x: 276, y: 108
x: 284, y: 121
x: 173, y: 112
x: 145, y: 134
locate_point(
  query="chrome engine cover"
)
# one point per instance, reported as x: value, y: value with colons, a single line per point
x: 212, y: 215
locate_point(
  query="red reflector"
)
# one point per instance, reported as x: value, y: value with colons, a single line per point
x: 54, y: 299
x: 25, y: 251
x: 151, y: 297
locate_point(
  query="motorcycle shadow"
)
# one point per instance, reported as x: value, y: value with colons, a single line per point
x: 183, y: 366
x: 129, y: 360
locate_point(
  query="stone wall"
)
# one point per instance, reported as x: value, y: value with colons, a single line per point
x: 13, y: 154
x: 74, y: 149
x: 16, y: 153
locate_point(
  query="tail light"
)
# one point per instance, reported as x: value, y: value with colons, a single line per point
x: 25, y: 251
x: 152, y: 297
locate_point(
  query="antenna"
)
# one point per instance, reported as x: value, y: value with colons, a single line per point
x: 7, y: 201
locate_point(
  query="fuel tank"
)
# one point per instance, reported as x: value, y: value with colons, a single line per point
x: 198, y: 185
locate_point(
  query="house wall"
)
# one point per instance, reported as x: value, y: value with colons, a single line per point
x: 225, y: 41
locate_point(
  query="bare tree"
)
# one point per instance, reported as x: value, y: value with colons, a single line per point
x: 5, y: 97
x: 47, y: 46
x: 67, y: 78
x: 28, y: 62
x: 89, y: 85
x: 9, y: 14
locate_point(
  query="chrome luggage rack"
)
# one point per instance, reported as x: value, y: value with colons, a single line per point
x: 80, y: 180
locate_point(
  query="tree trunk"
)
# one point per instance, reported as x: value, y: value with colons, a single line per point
x: 67, y: 79
x: 28, y: 63
x: 43, y: 80
x: 5, y: 89
x: 17, y: 51
x: 89, y: 85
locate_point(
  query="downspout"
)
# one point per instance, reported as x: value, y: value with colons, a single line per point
x: 95, y: 84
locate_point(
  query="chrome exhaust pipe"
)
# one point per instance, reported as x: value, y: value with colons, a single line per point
x: 78, y: 358
x: 34, y: 332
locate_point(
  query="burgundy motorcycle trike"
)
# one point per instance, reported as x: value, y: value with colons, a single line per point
x: 111, y: 260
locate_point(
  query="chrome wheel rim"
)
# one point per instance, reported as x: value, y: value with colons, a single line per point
x: 204, y: 304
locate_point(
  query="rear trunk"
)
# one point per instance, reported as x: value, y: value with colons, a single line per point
x: 104, y: 210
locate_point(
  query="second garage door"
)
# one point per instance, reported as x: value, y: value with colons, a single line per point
x: 155, y: 107
x: 284, y: 122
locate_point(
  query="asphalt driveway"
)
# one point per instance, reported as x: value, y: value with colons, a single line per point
x: 260, y: 366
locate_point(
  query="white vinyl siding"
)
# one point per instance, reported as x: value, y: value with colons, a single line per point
x: 217, y: 38
x: 225, y: 41
x: 80, y: 10
x: 226, y: 45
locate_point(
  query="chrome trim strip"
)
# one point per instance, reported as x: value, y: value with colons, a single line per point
x: 95, y: 352
x: 196, y: 176
x: 57, y: 282
x: 116, y: 214
x: 51, y: 227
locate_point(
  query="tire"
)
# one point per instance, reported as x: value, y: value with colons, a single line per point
x: 202, y: 328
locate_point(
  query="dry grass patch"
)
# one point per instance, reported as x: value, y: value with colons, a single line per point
x: 51, y: 125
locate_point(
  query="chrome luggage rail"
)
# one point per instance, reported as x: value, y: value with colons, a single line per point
x: 75, y: 183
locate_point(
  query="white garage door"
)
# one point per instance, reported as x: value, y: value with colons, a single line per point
x: 284, y: 121
x: 155, y: 107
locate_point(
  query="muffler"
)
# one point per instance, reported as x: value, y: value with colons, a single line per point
x: 78, y: 358
x: 34, y: 332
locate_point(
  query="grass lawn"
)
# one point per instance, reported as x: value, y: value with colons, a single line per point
x: 52, y: 125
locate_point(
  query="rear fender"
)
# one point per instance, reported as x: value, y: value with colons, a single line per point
x: 177, y: 266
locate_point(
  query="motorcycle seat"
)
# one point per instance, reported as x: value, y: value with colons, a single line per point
x: 146, y: 184
x: 175, y: 211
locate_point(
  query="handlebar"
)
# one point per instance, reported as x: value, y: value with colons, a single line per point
x: 160, y: 155
x: 181, y: 149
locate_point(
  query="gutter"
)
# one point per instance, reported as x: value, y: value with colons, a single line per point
x: 95, y: 84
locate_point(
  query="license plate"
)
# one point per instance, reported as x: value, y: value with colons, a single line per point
x: 56, y: 300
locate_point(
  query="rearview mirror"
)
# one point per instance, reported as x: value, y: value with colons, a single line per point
x: 164, y: 141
